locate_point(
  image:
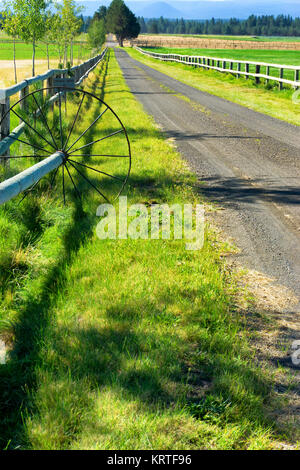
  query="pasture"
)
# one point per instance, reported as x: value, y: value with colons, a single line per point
x: 24, y: 51
x: 261, y: 55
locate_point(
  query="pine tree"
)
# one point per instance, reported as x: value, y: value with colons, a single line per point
x: 121, y: 21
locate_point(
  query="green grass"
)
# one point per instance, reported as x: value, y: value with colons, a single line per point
x: 24, y: 51
x: 123, y: 344
x: 264, y: 98
x: 258, y: 55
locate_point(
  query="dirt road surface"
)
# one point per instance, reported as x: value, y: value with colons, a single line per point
x: 249, y: 164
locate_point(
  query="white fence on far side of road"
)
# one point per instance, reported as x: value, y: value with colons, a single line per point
x: 237, y: 67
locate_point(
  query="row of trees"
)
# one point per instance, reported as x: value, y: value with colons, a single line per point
x: 117, y: 19
x: 254, y: 26
x: 33, y: 21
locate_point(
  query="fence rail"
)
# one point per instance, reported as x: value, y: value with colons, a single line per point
x: 214, y: 63
x: 22, y: 181
x: 7, y: 137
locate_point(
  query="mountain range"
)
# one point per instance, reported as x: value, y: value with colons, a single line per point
x: 202, y: 9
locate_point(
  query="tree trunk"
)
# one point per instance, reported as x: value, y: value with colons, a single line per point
x: 66, y: 55
x: 15, y: 65
x: 48, y: 56
x: 71, y: 53
x: 33, y: 56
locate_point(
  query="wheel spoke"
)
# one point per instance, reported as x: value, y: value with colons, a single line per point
x: 99, y: 140
x: 53, y: 177
x: 60, y: 121
x: 28, y: 156
x: 84, y: 177
x: 46, y: 122
x: 102, y: 155
x: 42, y: 127
x: 29, y: 191
x: 71, y: 130
x: 94, y: 122
x: 63, y: 183
x: 75, y: 187
x: 34, y: 130
x: 98, y: 171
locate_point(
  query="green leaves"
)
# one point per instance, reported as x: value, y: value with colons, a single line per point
x: 121, y: 21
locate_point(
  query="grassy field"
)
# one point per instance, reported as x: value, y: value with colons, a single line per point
x: 236, y: 38
x: 263, y: 98
x: 24, y: 51
x: 128, y: 344
x: 270, y: 56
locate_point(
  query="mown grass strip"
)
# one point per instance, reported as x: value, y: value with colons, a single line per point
x: 265, y: 99
x: 123, y: 344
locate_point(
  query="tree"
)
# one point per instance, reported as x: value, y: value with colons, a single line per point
x: 121, y: 21
x: 100, y: 14
x: 12, y: 24
x: 97, y: 33
x: 31, y: 24
x: 54, y: 34
x: 48, y: 36
x: 70, y: 25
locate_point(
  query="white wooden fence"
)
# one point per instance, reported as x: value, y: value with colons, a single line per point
x: 13, y: 186
x: 236, y: 67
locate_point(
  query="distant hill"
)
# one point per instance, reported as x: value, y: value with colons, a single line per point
x: 201, y: 10
x: 158, y: 9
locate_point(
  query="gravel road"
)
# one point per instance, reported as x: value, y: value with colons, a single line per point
x: 249, y: 164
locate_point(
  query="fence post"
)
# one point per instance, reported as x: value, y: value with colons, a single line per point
x: 247, y: 71
x: 4, y: 128
x: 280, y: 86
x: 238, y: 69
x: 257, y: 70
x: 296, y: 76
x: 22, y: 95
x: 268, y: 73
x: 49, y: 84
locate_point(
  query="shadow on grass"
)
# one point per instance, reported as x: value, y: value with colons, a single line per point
x: 18, y: 376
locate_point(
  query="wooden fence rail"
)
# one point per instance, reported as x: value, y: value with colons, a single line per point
x: 234, y: 66
x: 22, y: 181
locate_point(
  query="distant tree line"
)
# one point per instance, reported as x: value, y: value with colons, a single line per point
x: 281, y: 25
